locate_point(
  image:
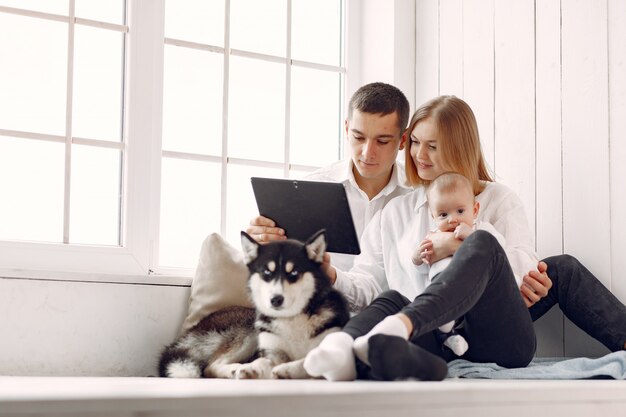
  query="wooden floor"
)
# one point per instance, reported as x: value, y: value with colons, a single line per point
x: 158, y: 397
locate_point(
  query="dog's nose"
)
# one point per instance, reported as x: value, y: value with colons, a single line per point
x: 277, y: 300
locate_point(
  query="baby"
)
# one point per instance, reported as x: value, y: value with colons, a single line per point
x: 454, y: 209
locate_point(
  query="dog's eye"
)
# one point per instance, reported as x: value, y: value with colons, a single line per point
x: 293, y: 276
x: 267, y: 273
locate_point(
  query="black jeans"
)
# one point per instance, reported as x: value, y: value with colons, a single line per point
x: 479, y: 286
x: 584, y: 300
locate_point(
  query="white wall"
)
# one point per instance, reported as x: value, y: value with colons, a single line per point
x: 547, y: 81
x: 63, y: 328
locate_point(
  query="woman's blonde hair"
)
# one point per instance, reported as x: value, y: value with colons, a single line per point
x: 458, y: 144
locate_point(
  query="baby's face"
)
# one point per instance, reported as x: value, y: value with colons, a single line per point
x: 453, y: 208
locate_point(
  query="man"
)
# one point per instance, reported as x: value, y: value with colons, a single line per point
x: 377, y: 117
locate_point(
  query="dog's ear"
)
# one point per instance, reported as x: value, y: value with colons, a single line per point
x: 250, y: 248
x: 316, y: 246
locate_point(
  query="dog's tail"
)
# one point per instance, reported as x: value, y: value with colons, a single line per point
x: 176, y: 362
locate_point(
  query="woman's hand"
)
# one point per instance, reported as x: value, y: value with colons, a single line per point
x: 264, y: 230
x: 536, y: 285
x: 444, y: 245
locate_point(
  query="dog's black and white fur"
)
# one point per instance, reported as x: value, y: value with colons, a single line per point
x: 296, y: 307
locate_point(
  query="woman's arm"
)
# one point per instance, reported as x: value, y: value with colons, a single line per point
x: 501, y: 207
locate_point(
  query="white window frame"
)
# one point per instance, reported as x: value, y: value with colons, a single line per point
x: 133, y: 261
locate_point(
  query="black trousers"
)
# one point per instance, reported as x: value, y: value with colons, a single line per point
x: 585, y: 301
x: 478, y: 286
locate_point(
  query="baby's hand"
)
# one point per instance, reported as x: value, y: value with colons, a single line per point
x: 462, y: 231
x: 423, y: 252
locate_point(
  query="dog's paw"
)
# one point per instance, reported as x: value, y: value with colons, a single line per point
x: 289, y: 370
x: 259, y: 369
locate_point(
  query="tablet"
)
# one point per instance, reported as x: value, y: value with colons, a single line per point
x: 302, y: 208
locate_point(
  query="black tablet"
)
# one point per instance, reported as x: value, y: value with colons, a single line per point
x: 304, y: 207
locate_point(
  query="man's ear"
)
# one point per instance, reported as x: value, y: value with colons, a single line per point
x: 403, y: 141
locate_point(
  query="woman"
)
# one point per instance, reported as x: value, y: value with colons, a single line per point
x: 481, y: 284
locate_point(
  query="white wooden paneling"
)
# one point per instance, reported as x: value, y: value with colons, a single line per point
x: 586, y: 205
x: 57, y: 328
x: 404, y: 47
x: 478, y: 77
x: 549, y: 233
x: 554, y: 74
x: 426, y: 51
x: 514, y: 23
x: 617, y: 132
x: 451, y: 47
x: 377, y: 40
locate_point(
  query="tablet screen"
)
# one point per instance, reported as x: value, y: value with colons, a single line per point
x: 304, y: 207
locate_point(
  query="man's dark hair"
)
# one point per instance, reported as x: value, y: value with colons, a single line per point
x: 380, y: 98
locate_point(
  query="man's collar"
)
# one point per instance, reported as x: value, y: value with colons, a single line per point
x: 397, y: 179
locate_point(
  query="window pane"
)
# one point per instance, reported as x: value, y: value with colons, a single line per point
x: 199, y: 21
x: 95, y: 196
x: 259, y: 26
x: 33, y: 80
x: 31, y: 186
x: 316, y: 31
x: 192, y: 101
x: 241, y: 205
x: 47, y: 6
x: 190, y: 209
x: 315, y: 108
x: 111, y: 11
x: 98, y: 76
x: 256, y: 111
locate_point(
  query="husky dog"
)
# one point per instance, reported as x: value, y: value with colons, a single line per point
x: 296, y: 307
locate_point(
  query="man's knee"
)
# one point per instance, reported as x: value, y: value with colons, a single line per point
x: 393, y: 296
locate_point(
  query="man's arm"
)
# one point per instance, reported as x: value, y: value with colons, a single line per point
x: 264, y: 230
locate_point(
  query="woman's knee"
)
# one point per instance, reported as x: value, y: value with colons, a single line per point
x: 562, y: 262
x: 482, y: 240
x: 561, y: 268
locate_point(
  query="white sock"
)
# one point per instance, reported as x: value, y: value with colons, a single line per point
x: 332, y: 359
x: 457, y: 344
x: 447, y: 328
x: 390, y: 326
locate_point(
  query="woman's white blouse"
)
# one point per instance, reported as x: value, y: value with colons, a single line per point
x: 393, y: 233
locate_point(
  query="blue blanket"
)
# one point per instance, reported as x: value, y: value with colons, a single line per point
x: 609, y: 366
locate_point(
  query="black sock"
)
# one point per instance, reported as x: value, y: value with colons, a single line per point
x: 392, y: 358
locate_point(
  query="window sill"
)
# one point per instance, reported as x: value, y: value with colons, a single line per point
x: 157, y: 279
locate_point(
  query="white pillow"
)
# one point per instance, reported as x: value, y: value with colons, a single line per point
x: 220, y: 280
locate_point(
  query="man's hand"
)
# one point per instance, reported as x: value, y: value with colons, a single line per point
x: 264, y: 230
x: 536, y: 285
x: 328, y: 269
